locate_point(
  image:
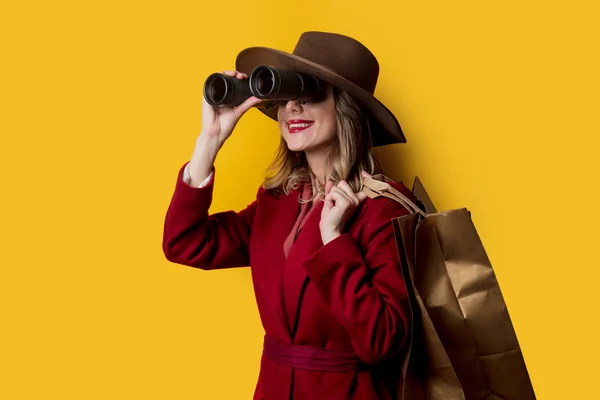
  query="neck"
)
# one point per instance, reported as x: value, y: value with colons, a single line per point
x: 317, y: 164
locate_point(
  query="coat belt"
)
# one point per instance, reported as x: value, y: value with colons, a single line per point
x: 312, y: 358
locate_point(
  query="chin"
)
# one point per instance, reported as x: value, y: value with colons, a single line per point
x: 295, y: 147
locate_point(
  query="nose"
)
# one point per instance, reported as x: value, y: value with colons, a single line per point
x: 293, y: 105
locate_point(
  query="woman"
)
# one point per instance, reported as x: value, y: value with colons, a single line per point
x: 323, y: 257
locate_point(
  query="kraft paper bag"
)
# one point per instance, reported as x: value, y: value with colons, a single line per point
x: 463, y: 345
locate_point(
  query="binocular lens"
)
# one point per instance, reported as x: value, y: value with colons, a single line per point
x: 225, y: 90
x: 262, y: 82
x: 215, y: 89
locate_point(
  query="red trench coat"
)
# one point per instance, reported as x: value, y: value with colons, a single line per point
x: 348, y: 294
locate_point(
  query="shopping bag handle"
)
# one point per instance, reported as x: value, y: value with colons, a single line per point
x: 375, y: 187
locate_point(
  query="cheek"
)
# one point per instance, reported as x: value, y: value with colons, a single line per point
x: 282, y: 125
x: 330, y: 125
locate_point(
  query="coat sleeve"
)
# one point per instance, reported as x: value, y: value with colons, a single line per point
x: 194, y: 238
x: 363, y: 287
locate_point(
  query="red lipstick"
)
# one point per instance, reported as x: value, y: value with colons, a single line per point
x: 298, y: 125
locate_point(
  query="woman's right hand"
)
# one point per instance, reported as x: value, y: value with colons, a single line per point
x: 218, y: 122
x: 217, y: 126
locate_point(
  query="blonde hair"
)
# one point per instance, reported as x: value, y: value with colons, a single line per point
x: 348, y: 154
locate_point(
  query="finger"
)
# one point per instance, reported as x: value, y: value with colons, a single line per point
x: 346, y: 188
x: 366, y: 174
x: 340, y: 196
x: 361, y: 196
x: 329, y: 203
x: 349, y: 192
x: 328, y: 186
x: 236, y: 74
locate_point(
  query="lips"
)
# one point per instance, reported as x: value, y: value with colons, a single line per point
x: 298, y: 125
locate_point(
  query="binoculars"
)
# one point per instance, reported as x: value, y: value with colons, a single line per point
x: 265, y: 82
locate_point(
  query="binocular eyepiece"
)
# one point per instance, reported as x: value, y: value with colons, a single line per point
x: 265, y: 82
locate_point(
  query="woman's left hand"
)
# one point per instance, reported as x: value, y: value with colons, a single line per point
x: 340, y: 203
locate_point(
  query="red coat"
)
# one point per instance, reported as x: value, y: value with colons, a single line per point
x: 348, y: 294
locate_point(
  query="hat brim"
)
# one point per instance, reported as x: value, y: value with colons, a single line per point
x: 385, y: 127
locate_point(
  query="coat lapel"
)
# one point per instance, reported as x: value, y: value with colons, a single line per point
x: 294, y: 277
x: 276, y: 222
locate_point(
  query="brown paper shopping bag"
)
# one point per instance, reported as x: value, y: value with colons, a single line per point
x: 463, y: 345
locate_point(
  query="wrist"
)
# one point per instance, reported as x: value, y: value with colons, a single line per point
x: 207, y: 149
x: 329, y: 236
x: 208, y: 141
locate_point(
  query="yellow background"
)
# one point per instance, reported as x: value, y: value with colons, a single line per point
x: 101, y: 106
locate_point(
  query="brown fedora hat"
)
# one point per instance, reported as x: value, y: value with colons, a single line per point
x: 339, y: 60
